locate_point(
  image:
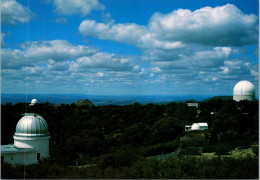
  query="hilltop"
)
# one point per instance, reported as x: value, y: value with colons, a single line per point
x: 85, y: 102
x: 218, y: 97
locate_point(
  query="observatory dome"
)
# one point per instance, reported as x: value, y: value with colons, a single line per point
x: 34, y: 101
x: 244, y: 90
x: 195, y: 126
x: 31, y: 125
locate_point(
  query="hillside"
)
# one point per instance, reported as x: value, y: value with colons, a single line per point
x: 115, y: 141
x: 84, y: 103
x: 218, y: 97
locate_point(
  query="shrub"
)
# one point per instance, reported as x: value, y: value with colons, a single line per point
x: 220, y: 149
x: 191, y: 151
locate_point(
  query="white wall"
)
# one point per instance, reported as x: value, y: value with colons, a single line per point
x: 21, y: 158
x: 243, y: 97
x: 42, y: 143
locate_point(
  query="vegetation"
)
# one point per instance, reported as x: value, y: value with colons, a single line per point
x: 114, y: 141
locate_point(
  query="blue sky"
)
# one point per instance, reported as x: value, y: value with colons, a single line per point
x: 128, y: 47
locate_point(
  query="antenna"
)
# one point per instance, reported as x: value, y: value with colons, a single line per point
x: 28, y: 16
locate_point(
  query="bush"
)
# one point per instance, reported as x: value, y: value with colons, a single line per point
x: 255, y: 149
x: 191, y: 151
x: 159, y: 148
x: 220, y: 149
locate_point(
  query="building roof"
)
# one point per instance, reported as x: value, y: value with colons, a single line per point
x: 31, y: 125
x: 195, y: 126
x: 33, y: 102
x: 244, y: 88
x: 203, y: 124
x: 11, y: 149
x: 193, y: 104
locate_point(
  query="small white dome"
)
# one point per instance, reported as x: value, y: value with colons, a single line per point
x: 34, y: 101
x: 195, y: 126
x: 244, y: 88
x: 32, y: 125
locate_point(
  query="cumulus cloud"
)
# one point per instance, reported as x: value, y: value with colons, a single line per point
x: 211, y: 58
x: 83, y: 7
x: 41, y: 51
x: 13, y: 12
x: 128, y: 33
x: 58, y: 66
x: 57, y: 50
x: 105, y: 61
x: 220, y: 26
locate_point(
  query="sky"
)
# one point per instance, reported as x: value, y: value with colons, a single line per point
x: 128, y: 47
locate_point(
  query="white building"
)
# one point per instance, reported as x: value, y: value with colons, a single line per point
x: 244, y: 90
x: 31, y: 141
x: 196, y: 126
x: 193, y: 105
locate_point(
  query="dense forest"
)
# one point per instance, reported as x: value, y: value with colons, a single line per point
x: 142, y: 141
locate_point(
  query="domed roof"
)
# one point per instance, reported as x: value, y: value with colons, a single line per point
x: 32, y: 125
x: 34, y: 101
x: 244, y: 88
x: 195, y: 126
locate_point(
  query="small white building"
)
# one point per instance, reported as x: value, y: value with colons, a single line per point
x: 31, y: 141
x: 196, y: 127
x: 193, y: 105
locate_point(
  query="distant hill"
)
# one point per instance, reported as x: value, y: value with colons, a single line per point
x: 218, y: 97
x: 85, y: 102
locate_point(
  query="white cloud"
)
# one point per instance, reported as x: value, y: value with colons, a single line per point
x: 222, y: 25
x: 61, y: 20
x: 60, y: 66
x: 58, y: 50
x: 211, y: 58
x: 128, y: 33
x: 105, y: 61
x: 13, y: 12
x: 83, y: 7
x: 100, y: 74
x: 41, y: 51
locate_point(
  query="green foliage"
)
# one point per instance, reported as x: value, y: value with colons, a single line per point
x: 220, y: 149
x: 194, y: 138
x: 165, y: 129
x: 116, y: 137
x: 191, y: 151
x: 255, y: 149
x: 161, y: 148
x: 122, y: 157
x: 85, y: 102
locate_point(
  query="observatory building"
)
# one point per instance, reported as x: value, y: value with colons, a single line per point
x: 196, y: 126
x: 244, y: 90
x: 31, y: 141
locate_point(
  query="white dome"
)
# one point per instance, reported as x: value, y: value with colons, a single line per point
x: 244, y: 90
x: 32, y: 125
x: 195, y: 126
x: 34, y: 101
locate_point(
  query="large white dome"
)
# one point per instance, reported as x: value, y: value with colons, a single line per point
x: 32, y: 125
x: 244, y: 90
